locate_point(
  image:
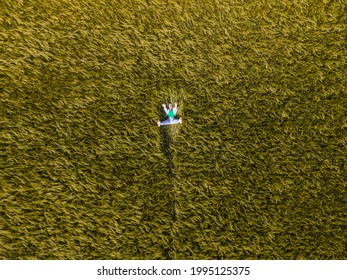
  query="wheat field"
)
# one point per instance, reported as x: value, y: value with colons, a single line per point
x: 257, y: 170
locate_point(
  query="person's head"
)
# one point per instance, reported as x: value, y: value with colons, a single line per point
x: 170, y: 106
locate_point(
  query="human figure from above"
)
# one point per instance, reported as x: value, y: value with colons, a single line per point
x: 170, y: 112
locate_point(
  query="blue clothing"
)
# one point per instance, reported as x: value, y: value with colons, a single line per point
x: 170, y: 121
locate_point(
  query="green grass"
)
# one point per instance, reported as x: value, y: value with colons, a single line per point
x: 256, y: 171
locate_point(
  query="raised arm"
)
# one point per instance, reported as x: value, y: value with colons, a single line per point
x: 165, y: 109
x: 175, y: 108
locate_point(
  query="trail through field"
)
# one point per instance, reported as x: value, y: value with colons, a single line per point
x: 169, y: 135
x: 168, y: 152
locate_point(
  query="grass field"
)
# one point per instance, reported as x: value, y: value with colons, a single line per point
x: 256, y: 171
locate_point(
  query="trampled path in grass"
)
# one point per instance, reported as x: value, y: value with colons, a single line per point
x: 167, y: 148
x: 256, y: 171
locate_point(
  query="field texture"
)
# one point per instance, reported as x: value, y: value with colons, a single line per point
x: 256, y: 171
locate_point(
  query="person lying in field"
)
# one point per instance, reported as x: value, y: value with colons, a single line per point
x: 170, y: 112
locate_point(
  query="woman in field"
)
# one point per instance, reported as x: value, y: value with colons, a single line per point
x: 170, y: 112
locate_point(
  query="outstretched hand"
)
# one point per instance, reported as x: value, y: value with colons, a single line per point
x: 164, y: 105
x: 175, y: 104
